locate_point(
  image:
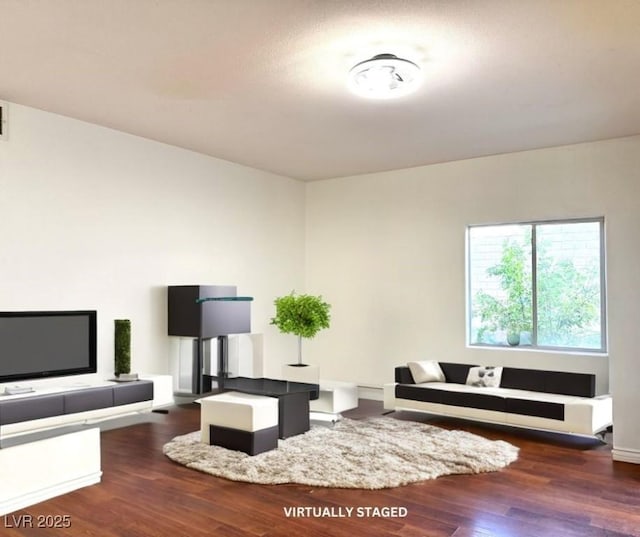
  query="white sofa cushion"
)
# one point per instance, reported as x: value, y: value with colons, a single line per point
x: 426, y: 371
x: 506, y: 392
x: 487, y: 376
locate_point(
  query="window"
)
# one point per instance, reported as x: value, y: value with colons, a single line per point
x: 539, y: 285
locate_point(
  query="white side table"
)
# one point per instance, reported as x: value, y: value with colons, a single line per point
x: 335, y: 397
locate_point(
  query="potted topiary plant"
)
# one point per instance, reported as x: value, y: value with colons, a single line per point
x: 302, y: 315
x: 122, y: 350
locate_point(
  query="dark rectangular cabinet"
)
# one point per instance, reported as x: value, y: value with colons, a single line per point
x: 191, y: 315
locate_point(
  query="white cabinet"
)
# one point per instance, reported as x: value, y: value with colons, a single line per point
x: 41, y: 469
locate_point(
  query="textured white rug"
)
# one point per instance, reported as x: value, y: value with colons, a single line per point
x: 365, y: 454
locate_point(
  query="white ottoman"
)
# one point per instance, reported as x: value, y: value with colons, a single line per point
x: 240, y: 421
x: 335, y: 397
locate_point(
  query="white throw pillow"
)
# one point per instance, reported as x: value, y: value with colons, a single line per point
x: 485, y: 376
x: 426, y: 371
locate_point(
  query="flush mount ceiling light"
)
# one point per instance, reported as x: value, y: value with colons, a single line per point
x: 384, y: 76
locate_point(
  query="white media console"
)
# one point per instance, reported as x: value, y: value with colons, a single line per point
x: 50, y: 439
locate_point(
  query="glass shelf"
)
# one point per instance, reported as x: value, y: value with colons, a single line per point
x: 225, y: 299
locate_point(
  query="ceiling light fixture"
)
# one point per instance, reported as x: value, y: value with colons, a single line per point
x: 385, y: 76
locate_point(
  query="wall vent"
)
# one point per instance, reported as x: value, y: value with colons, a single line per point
x: 4, y: 121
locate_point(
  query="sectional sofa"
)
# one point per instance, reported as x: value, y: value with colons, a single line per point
x: 548, y: 400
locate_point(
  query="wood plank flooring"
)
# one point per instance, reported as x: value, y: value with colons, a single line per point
x: 560, y: 486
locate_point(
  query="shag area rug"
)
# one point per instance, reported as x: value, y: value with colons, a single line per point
x: 374, y: 453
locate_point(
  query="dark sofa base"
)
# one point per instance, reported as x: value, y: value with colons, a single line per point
x: 482, y: 401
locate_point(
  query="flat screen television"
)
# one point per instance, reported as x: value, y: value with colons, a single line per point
x: 41, y: 344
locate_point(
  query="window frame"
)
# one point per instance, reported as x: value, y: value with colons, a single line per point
x: 534, y: 302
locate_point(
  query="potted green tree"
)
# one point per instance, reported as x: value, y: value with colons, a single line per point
x: 302, y: 315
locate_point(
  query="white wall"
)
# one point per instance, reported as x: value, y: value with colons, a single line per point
x: 387, y: 251
x: 97, y: 219
x: 94, y: 218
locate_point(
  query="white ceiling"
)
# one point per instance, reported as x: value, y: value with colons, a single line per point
x: 262, y: 82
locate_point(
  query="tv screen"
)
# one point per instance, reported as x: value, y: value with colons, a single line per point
x: 39, y: 344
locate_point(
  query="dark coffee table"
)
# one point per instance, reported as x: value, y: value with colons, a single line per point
x: 293, y: 399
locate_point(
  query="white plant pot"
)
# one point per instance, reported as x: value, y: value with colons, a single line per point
x: 301, y: 373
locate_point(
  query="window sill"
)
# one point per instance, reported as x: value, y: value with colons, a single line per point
x: 539, y: 350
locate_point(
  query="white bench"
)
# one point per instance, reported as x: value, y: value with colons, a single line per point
x: 239, y: 421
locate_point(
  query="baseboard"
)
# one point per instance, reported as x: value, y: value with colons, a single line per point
x: 626, y: 455
x: 370, y: 392
x: 32, y: 498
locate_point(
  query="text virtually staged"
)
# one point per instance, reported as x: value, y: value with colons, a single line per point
x: 345, y: 512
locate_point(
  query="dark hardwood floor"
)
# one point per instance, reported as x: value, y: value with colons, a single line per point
x: 560, y: 486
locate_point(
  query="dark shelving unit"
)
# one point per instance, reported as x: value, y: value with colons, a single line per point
x: 204, y: 312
